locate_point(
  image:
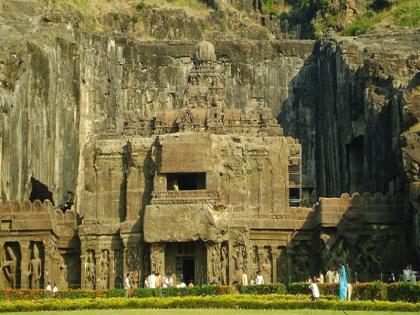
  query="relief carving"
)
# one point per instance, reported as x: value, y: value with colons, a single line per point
x: 9, y: 266
x: 90, y: 276
x: 104, y: 270
x: 35, y: 268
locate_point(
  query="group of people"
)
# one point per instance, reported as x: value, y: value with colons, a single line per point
x: 51, y: 289
x: 342, y: 277
x: 156, y: 281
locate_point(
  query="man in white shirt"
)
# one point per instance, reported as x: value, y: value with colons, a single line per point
x: 314, y: 290
x: 127, y: 285
x: 260, y: 279
x: 55, y: 289
x: 152, y: 280
x: 49, y: 287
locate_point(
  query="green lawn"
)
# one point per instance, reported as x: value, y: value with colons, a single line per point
x: 211, y: 312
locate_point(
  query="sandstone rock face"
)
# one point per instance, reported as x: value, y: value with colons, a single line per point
x: 353, y: 105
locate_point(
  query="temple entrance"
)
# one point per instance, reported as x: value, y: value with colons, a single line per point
x: 187, y: 260
x: 188, y: 269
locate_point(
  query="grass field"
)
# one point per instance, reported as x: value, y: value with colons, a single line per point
x: 212, y: 312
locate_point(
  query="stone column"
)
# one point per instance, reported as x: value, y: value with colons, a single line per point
x: 111, y: 269
x: 213, y: 263
x: 274, y: 255
x: 231, y: 263
x: 157, y: 257
x: 82, y: 269
x: 260, y: 254
x: 98, y: 253
x: 25, y: 254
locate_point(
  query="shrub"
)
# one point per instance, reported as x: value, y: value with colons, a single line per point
x: 263, y: 289
x: 225, y: 301
x: 370, y: 291
x: 404, y: 291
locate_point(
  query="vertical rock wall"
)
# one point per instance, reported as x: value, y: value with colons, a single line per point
x: 40, y: 117
x: 60, y: 92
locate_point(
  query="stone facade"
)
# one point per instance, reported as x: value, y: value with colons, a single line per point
x: 205, y: 190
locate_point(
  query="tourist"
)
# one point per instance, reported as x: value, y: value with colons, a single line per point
x: 349, y: 281
x: 408, y: 274
x: 159, y: 281
x: 252, y: 281
x: 55, y: 289
x: 49, y: 287
x: 169, y: 281
x: 181, y: 285
x: 260, y: 279
x: 152, y: 280
x: 191, y: 284
x: 329, y: 276
x: 314, y: 290
x: 342, y: 286
x: 336, y: 278
x: 320, y: 278
x: 127, y: 285
x: 244, y: 281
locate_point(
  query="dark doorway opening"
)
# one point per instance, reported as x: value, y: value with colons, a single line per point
x: 186, y: 181
x: 40, y: 191
x: 188, y: 269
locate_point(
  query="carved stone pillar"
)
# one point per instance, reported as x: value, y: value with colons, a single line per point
x: 111, y: 269
x: 213, y: 263
x: 25, y: 253
x: 157, y: 257
x: 98, y: 279
x: 260, y: 255
x: 274, y: 255
x: 83, y: 269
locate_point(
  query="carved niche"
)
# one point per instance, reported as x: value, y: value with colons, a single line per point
x: 10, y: 264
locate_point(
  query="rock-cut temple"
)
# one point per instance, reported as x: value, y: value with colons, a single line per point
x: 204, y: 191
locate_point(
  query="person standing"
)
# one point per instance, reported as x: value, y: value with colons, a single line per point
x: 329, y: 276
x: 314, y: 290
x: 260, y: 279
x: 336, y: 277
x: 244, y: 281
x: 159, y: 281
x: 49, y: 287
x: 349, y: 281
x: 55, y: 289
x: 127, y: 285
x: 152, y: 280
x: 342, y: 284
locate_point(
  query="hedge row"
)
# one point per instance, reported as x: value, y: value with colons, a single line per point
x: 402, y: 291
x: 236, y: 301
x: 399, y: 291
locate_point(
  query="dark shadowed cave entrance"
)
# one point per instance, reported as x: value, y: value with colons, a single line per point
x: 40, y: 191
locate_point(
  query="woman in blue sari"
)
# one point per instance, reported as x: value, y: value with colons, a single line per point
x: 342, y: 287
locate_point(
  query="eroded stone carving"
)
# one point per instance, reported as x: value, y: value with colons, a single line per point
x: 9, y: 266
x: 104, y: 270
x: 90, y: 273
x: 35, y: 268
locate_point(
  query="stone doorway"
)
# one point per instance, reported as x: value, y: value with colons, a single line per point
x: 188, y: 268
x: 187, y: 260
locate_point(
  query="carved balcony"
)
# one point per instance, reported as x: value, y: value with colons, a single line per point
x: 184, y: 197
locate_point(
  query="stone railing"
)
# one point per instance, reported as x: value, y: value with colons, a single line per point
x: 184, y: 197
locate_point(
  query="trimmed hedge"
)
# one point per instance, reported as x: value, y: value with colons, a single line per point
x: 263, y: 289
x: 236, y: 301
x: 399, y: 291
x: 408, y: 292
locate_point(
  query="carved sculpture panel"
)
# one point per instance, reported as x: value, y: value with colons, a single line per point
x: 90, y: 274
x: 35, y: 268
x: 10, y: 264
x: 104, y: 270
